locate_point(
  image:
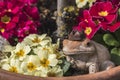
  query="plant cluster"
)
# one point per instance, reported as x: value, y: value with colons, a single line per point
x: 18, y: 18
x: 36, y: 55
x: 100, y: 22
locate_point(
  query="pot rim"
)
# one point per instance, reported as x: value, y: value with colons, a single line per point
x: 112, y: 74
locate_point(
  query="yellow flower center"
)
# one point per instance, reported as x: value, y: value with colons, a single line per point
x: 88, y: 30
x: 36, y: 40
x: 46, y: 49
x: 44, y: 62
x: 13, y: 69
x: 5, y: 19
x: 20, y: 53
x: 2, y: 30
x: 31, y: 66
x: 103, y: 13
x: 81, y: 0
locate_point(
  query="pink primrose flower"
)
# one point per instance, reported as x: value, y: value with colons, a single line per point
x: 17, y: 20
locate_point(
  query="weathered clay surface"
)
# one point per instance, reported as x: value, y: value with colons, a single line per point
x: 112, y: 74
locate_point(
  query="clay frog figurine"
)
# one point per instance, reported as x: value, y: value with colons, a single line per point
x: 85, y: 54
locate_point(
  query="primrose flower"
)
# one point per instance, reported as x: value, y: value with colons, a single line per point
x: 12, y: 65
x: 47, y: 60
x: 21, y: 51
x: 30, y: 64
x: 8, y: 18
x: 89, y: 26
x: 82, y: 3
x: 26, y: 29
x: 34, y: 40
x: 106, y: 14
x: 40, y: 59
x: 17, y: 19
x: 104, y: 11
x: 116, y: 2
x: 55, y: 71
x: 32, y: 12
x: 30, y: 2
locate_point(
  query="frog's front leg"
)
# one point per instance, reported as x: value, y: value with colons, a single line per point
x: 92, y: 67
x: 77, y: 64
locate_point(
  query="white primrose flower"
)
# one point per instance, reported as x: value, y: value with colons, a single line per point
x: 21, y: 51
x: 36, y: 55
x: 30, y: 64
x: 42, y: 49
x: 42, y: 72
x: 34, y: 40
x: 12, y: 65
x: 47, y: 60
x: 55, y: 71
x: 81, y: 3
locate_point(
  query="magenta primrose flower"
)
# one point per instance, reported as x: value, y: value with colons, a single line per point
x: 116, y: 2
x: 104, y: 10
x: 30, y: 2
x: 106, y: 14
x: 17, y: 20
x: 26, y: 29
x: 88, y: 25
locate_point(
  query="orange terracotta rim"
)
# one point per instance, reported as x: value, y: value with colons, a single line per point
x: 112, y: 74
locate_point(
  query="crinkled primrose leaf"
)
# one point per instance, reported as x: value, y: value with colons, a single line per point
x: 115, y: 52
x: 110, y: 40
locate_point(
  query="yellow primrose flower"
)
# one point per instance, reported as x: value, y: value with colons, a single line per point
x: 55, y: 71
x: 42, y: 72
x: 46, y: 59
x: 50, y: 60
x: 34, y: 40
x: 30, y: 64
x: 21, y: 51
x: 81, y: 3
x: 12, y: 65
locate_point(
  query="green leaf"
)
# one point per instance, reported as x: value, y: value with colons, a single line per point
x: 116, y: 55
x: 116, y: 59
x: 110, y: 40
x: 65, y: 66
x: 115, y: 51
x: 117, y: 34
x: 98, y: 38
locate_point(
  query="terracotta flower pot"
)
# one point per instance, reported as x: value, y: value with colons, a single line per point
x: 112, y: 74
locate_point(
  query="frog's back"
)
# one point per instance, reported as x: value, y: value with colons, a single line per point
x: 102, y: 52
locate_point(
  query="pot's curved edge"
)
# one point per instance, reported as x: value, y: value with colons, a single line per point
x: 112, y: 74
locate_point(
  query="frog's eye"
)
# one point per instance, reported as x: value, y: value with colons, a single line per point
x: 73, y: 32
x: 88, y: 44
